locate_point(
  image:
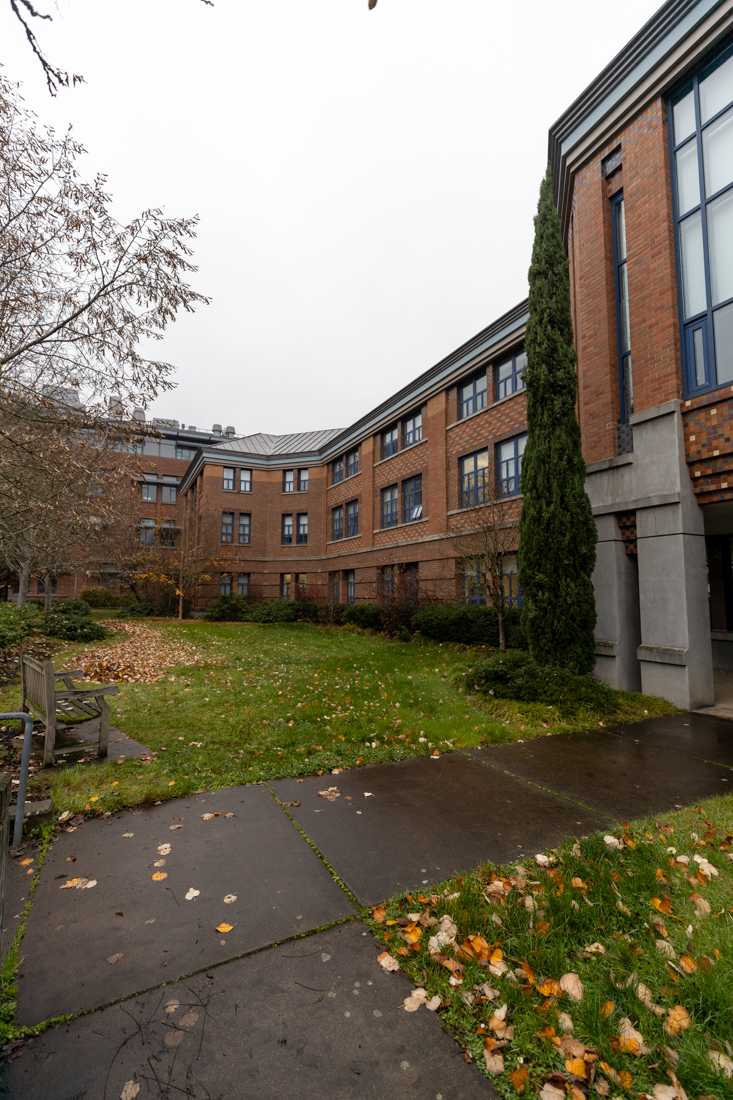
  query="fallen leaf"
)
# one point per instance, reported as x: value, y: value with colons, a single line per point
x: 130, y: 1090
x: 551, y: 1092
x: 612, y: 842
x: 387, y: 962
x: 721, y: 1062
x: 224, y: 927
x: 416, y: 998
x: 665, y: 948
x: 434, y: 1003
x: 702, y: 905
x: 519, y: 1078
x: 494, y: 1062
x: 158, y: 876
x: 192, y: 893
x: 688, y: 964
x: 678, y: 1019
x: 593, y: 949
x: 164, y: 849
x: 631, y: 1041
x: 576, y: 1066
x: 26, y: 862
x: 330, y: 794
x: 173, y: 1037
x: 79, y: 884
x: 662, y: 905
x: 607, y: 1009
x: 128, y: 836
x: 572, y: 986
x: 229, y: 899
x: 172, y: 1006
x: 379, y: 914
x: 565, y: 1023
x: 112, y: 959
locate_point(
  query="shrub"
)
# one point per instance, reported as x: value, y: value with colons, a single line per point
x: 138, y: 609
x: 308, y: 611
x: 467, y: 623
x: 17, y: 623
x: 398, y: 617
x: 516, y: 675
x: 71, y: 621
x: 273, y: 611
x: 102, y: 597
x: 368, y: 616
x: 227, y: 609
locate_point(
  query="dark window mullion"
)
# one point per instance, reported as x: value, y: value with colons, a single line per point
x: 710, y: 370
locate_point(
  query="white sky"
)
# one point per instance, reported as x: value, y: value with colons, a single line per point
x: 366, y: 181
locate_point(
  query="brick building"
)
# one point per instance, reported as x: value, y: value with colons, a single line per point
x: 643, y: 166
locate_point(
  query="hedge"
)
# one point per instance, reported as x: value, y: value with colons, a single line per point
x: 516, y: 675
x: 470, y: 624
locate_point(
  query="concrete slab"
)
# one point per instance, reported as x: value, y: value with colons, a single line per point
x: 312, y: 1019
x: 705, y: 736
x: 622, y: 774
x: 396, y: 826
x: 86, y: 947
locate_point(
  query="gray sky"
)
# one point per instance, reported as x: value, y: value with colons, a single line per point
x: 366, y: 181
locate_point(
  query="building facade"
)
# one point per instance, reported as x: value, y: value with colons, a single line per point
x: 643, y: 169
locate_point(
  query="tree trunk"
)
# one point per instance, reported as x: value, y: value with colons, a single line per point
x: 47, y: 592
x: 500, y: 626
x: 24, y: 576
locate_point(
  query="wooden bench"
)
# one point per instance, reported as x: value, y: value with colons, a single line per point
x: 58, y: 702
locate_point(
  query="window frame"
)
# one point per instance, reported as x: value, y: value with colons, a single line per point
x: 352, y: 463
x: 288, y: 481
x: 287, y: 522
x: 301, y: 528
x: 472, y: 498
x: 227, y: 529
x: 703, y: 321
x: 225, y: 479
x: 472, y: 380
x: 337, y: 529
x: 349, y: 579
x: 388, y: 449
x: 243, y: 588
x: 166, y: 490
x: 409, y: 502
x: 416, y: 419
x: 303, y: 480
x: 351, y: 529
x: 225, y: 584
x: 620, y: 265
x: 245, y: 482
x: 385, y: 515
x: 246, y: 526
x: 149, y: 487
x: 518, y: 458
x: 338, y: 468
x: 515, y: 380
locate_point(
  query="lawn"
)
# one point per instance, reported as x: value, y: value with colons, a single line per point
x: 265, y: 701
x: 602, y: 970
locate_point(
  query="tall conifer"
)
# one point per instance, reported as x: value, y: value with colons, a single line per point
x: 558, y: 535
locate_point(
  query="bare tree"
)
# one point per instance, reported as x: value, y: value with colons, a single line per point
x: 485, y: 549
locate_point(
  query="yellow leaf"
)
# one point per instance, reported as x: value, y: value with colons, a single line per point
x: 94, y: 798
x: 224, y: 927
x: 412, y: 933
x: 678, y: 1019
x: 158, y: 876
x: 576, y: 1066
x: 625, y: 1078
x: 662, y: 905
x: 549, y: 988
x: 607, y: 1009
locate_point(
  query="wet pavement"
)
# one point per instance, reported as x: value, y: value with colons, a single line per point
x: 289, y: 1000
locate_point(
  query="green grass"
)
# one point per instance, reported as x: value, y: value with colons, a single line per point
x: 593, y: 894
x: 282, y: 700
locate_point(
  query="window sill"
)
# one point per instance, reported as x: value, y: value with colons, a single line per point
x: 399, y: 526
x: 493, y: 405
x: 346, y: 538
x: 293, y: 492
x: 335, y: 484
x: 486, y: 504
x: 402, y: 451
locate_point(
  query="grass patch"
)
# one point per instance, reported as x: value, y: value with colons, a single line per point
x: 613, y: 916
x: 277, y: 700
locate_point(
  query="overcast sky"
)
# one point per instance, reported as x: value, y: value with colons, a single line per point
x: 366, y: 181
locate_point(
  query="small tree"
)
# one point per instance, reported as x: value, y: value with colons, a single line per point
x: 558, y: 535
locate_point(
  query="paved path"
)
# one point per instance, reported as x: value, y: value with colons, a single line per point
x: 290, y: 1001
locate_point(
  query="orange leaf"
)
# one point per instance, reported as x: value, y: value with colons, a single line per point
x: 626, y: 1079
x: 224, y: 927
x: 688, y: 964
x: 576, y: 1066
x: 549, y: 988
x: 379, y: 914
x: 158, y: 876
x: 662, y: 905
x: 519, y: 1078
x: 607, y: 1009
x: 412, y: 933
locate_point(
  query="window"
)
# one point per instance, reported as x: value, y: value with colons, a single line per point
x: 286, y: 586
x: 337, y: 470
x: 472, y: 395
x: 245, y: 529
x: 350, y: 585
x: 352, y: 463
x: 337, y: 523
x: 334, y: 587
x: 352, y: 518
x: 702, y: 142
x: 473, y: 581
x: 303, y: 480
x: 473, y: 478
x: 225, y: 584
x: 147, y: 532
x: 168, y: 494
x: 168, y: 533
x: 288, y: 481
x: 509, y: 375
x: 184, y: 453
x: 388, y: 582
x: 623, y: 329
x: 286, y: 534
x: 149, y: 493
x: 412, y: 429
x: 390, y: 441
x: 412, y: 498
x: 227, y: 527
x: 389, y: 506
x: 301, y: 585
x: 228, y: 481
x: 510, y: 578
x: 302, y: 528
x: 509, y: 465
x: 243, y: 584
x: 245, y: 481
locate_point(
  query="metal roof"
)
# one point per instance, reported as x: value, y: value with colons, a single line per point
x: 263, y: 444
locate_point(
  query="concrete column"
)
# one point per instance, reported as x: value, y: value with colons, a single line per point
x: 616, y: 584
x: 675, y: 652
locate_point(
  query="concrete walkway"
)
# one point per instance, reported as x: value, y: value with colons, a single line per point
x: 220, y: 953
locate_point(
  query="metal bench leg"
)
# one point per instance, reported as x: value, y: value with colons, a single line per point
x: 103, y: 728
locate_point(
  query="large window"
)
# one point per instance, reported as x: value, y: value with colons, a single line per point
x: 225, y: 584
x: 509, y: 375
x: 337, y: 523
x: 352, y: 463
x: 337, y: 470
x: 389, y: 511
x: 288, y: 481
x: 227, y: 527
x: 243, y: 584
x: 228, y: 478
x: 168, y: 494
x: 184, y: 453
x: 245, y: 481
x: 388, y: 582
x: 702, y: 137
x: 147, y: 532
x: 352, y: 519
x: 473, y: 479
x: 245, y: 528
x: 472, y: 395
x: 303, y: 480
x: 149, y: 493
x: 474, y: 589
x: 168, y: 533
x: 412, y: 429
x: 286, y: 586
x: 412, y: 498
x: 286, y: 535
x: 509, y: 465
x: 302, y: 528
x: 390, y: 441
x: 623, y: 327
x: 350, y: 585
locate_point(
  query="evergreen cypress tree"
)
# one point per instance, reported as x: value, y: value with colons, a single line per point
x: 558, y: 534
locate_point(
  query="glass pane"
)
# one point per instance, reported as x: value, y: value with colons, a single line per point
x: 717, y: 143
x: 688, y: 178
x: 684, y: 117
x: 693, y: 266
x: 723, y: 320
x: 625, y: 328
x: 620, y: 232
x: 720, y: 243
x: 716, y: 90
x: 698, y: 357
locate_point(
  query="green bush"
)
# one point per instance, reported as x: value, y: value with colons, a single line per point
x: 230, y: 609
x: 398, y: 617
x: 17, y: 623
x: 137, y: 609
x: 71, y: 620
x: 102, y: 597
x: 467, y: 623
x: 515, y: 675
x: 368, y: 616
x: 272, y: 611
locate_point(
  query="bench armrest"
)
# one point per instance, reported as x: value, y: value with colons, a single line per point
x: 88, y: 693
x: 70, y: 672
